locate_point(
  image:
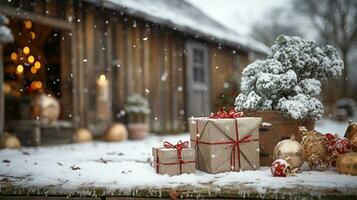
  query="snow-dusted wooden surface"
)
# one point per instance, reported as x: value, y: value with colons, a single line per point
x: 124, y: 169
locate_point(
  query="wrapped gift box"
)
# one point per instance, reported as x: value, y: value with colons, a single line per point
x: 222, y: 145
x: 168, y: 160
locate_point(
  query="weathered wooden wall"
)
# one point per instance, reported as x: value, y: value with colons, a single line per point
x: 136, y: 56
x: 226, y: 63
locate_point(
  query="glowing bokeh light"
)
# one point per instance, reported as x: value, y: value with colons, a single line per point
x: 19, y: 69
x: 26, y: 50
x: 13, y: 56
x: 102, y: 77
x: 38, y: 84
x: 31, y: 59
x: 37, y: 65
x: 33, y: 35
x: 33, y: 70
x: 28, y: 24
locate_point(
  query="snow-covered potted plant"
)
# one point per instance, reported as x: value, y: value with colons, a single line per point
x: 284, y: 89
x: 137, y: 109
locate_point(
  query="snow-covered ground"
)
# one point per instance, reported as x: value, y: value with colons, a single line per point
x: 331, y: 126
x: 126, y: 165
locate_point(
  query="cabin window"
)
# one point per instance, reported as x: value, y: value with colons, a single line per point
x: 37, y: 62
x: 198, y: 66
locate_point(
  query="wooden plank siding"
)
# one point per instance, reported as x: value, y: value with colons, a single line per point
x: 223, y: 63
x: 135, y: 55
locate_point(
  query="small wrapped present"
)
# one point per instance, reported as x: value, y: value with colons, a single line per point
x: 174, y: 159
x: 225, y: 142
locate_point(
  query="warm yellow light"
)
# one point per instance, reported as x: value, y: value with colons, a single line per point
x: 13, y: 56
x: 102, y: 77
x: 33, y: 70
x: 19, y: 69
x: 37, y: 65
x: 31, y: 59
x: 28, y: 24
x: 38, y: 84
x: 26, y: 50
x: 33, y: 35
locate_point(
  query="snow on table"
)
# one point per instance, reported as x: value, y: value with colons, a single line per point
x: 124, y: 168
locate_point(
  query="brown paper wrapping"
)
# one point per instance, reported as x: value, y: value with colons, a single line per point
x: 215, y: 158
x: 169, y: 155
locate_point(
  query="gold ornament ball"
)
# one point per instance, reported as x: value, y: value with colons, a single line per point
x: 82, y: 135
x: 11, y: 142
x: 116, y: 132
x: 351, y: 134
x: 46, y: 108
x: 347, y: 163
x: 291, y: 151
x: 315, y: 149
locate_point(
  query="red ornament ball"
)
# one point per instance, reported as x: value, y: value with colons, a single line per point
x: 339, y: 146
x: 280, y: 168
x: 330, y: 136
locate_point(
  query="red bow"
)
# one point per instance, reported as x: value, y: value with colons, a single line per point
x: 179, y: 146
x: 222, y: 114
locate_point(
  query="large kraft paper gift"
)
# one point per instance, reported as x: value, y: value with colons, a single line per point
x: 223, y: 145
x: 174, y: 159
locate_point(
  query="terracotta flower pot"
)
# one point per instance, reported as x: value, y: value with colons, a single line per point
x: 281, y: 128
x: 138, y: 131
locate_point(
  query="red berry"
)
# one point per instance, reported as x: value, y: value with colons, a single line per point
x: 330, y: 136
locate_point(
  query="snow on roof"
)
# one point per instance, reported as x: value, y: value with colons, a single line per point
x: 183, y: 16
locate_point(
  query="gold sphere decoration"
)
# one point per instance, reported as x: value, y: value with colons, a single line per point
x: 82, y: 135
x: 116, y: 132
x: 291, y: 151
x: 315, y: 149
x: 11, y: 142
x: 347, y: 163
x: 351, y: 134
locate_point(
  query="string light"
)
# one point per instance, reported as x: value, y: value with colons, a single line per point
x: 13, y: 56
x: 31, y: 59
x: 33, y: 70
x: 28, y: 24
x: 33, y: 35
x: 38, y: 84
x: 37, y: 65
x: 19, y: 69
x: 26, y: 50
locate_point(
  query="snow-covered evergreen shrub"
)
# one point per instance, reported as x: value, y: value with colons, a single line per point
x: 5, y: 32
x: 289, y: 80
x: 137, y: 104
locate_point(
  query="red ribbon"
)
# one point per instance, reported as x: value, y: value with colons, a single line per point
x: 222, y: 114
x: 235, y: 144
x: 179, y: 147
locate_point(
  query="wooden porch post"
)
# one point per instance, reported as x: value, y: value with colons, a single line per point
x: 2, y: 103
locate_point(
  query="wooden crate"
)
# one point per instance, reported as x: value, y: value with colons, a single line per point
x: 281, y: 128
x: 36, y: 133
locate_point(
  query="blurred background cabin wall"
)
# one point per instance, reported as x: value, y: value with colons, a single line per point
x: 135, y: 55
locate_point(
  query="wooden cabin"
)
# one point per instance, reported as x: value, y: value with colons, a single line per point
x: 168, y: 51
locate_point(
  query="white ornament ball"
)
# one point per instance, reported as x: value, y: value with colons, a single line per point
x: 116, y: 132
x: 82, y: 135
x: 46, y: 108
